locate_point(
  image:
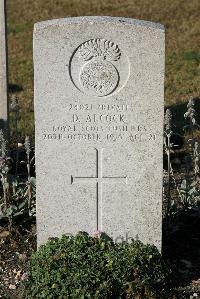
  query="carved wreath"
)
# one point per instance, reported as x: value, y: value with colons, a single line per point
x: 99, y: 48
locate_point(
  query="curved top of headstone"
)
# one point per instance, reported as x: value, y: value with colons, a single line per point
x: 97, y: 19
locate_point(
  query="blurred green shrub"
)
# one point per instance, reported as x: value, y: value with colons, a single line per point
x: 97, y: 268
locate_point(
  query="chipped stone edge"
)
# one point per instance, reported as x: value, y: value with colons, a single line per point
x: 95, y: 20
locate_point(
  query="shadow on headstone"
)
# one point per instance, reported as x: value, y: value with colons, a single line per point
x: 12, y: 88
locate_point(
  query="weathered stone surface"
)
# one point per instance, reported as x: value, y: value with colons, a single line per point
x: 99, y: 93
x: 3, y: 68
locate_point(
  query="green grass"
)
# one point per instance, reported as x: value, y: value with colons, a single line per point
x: 180, y: 17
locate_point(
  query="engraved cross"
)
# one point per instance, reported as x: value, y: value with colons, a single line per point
x: 99, y: 179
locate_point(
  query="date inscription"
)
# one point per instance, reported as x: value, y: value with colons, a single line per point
x: 102, y: 122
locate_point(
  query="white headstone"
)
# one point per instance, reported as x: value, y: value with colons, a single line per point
x: 3, y: 68
x: 99, y: 94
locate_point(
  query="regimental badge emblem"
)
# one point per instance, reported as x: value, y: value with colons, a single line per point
x: 96, y: 68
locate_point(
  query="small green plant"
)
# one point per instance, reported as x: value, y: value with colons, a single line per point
x: 190, y: 194
x: 192, y: 56
x: 167, y: 147
x: 189, y: 191
x: 4, y: 169
x: 187, y: 184
x: 95, y: 268
x: 18, y: 196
